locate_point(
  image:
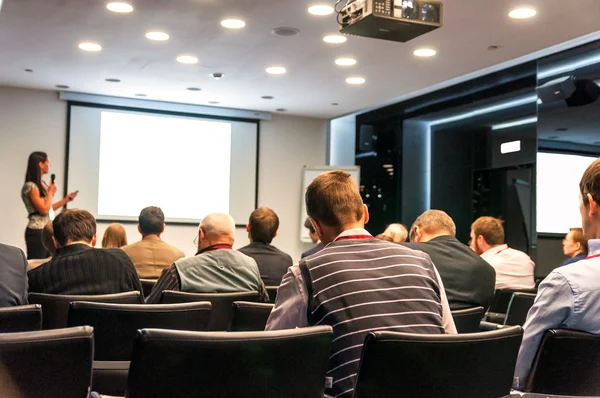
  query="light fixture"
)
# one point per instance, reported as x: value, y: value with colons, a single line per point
x: 87, y: 46
x: 281, y: 110
x: 29, y: 70
x: 334, y: 39
x: 267, y: 97
x: 194, y: 88
x: 119, y: 7
x: 187, y: 59
x: 334, y: 104
x: 62, y: 86
x: 276, y: 70
x: 345, y: 61
x: 388, y: 166
x: 140, y: 95
x: 510, y: 147
x: 522, y: 13
x: 157, y: 36
x: 320, y: 9
x: 515, y: 123
x: 214, y: 102
x: 424, y: 52
x: 233, y: 23
x: 111, y: 80
x: 355, y: 80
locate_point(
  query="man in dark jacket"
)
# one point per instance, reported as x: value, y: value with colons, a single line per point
x: 13, y: 276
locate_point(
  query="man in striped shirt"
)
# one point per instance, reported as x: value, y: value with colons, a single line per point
x: 356, y: 284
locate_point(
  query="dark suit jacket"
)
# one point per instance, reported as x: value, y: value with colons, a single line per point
x: 468, y: 279
x: 80, y: 269
x: 13, y: 276
x: 272, y: 262
x: 317, y: 248
x: 571, y: 260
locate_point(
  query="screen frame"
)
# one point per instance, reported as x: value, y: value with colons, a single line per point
x: 158, y: 112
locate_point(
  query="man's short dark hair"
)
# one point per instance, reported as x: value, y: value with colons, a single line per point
x: 490, y: 228
x: 263, y: 224
x: 333, y: 199
x: 590, y: 183
x: 151, y: 220
x: 74, y: 225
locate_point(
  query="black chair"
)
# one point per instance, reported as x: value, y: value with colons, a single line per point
x: 55, y: 307
x: 24, y: 318
x: 272, y: 290
x: 518, y: 308
x: 55, y: 363
x: 174, y: 364
x: 147, y: 285
x: 249, y: 317
x: 501, y: 300
x: 473, y: 365
x: 467, y: 320
x: 222, y: 303
x: 115, y: 327
x: 567, y: 363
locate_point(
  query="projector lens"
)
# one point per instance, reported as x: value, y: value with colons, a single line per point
x: 430, y: 13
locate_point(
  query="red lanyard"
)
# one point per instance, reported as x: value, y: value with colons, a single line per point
x: 594, y: 256
x: 352, y: 237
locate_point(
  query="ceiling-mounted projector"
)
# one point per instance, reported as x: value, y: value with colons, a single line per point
x: 395, y: 20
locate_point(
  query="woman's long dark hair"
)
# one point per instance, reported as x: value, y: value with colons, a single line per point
x: 34, y: 174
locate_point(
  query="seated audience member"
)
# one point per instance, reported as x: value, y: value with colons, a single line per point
x: 569, y: 297
x: 514, y: 269
x: 574, y: 246
x: 114, y: 237
x: 79, y: 268
x: 314, y: 237
x: 272, y: 262
x: 469, y: 280
x: 357, y: 283
x: 384, y: 237
x: 13, y: 276
x: 48, y: 242
x: 152, y: 255
x: 216, y: 268
x: 397, y: 232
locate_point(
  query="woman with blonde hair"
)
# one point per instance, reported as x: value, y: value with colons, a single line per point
x: 114, y: 237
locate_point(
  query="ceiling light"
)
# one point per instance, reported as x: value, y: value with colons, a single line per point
x: 187, y: 59
x: 320, y: 10
x: 424, y: 52
x: 233, y: 23
x: 334, y: 104
x: 111, y: 80
x: 267, y: 97
x: 281, y: 110
x: 62, y: 86
x: 515, y: 123
x: 87, y: 46
x: 214, y: 102
x: 217, y: 75
x: 285, y: 31
x: 522, y: 13
x: 157, y: 36
x: 334, y: 39
x: 355, y: 80
x: 345, y: 61
x: 194, y: 88
x: 119, y: 7
x: 140, y: 95
x: 510, y: 147
x: 388, y: 166
x: 29, y: 70
x: 276, y: 70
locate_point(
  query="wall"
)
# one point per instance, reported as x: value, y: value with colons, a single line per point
x: 36, y: 120
x: 342, y: 141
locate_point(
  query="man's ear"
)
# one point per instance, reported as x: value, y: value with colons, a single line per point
x: 480, y: 240
x: 247, y: 227
x: 56, y: 244
x: 94, y: 240
x: 318, y: 228
x: 593, y: 205
x: 365, y: 213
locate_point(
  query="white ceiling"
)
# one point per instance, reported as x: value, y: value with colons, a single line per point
x: 43, y: 35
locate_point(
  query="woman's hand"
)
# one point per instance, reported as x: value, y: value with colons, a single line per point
x: 52, y: 189
x: 70, y: 197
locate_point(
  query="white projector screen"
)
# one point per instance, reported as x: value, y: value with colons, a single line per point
x: 122, y: 161
x: 558, y: 177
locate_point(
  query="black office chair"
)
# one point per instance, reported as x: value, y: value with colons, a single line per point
x: 473, y: 365
x: 115, y: 327
x: 55, y: 363
x: 147, y: 285
x: 24, y: 318
x: 467, y: 320
x: 499, y: 306
x: 286, y: 363
x: 272, y: 290
x: 567, y: 363
x: 221, y: 304
x: 518, y: 308
x: 248, y: 317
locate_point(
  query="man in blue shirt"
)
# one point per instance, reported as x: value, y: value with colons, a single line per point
x: 574, y: 246
x: 569, y: 298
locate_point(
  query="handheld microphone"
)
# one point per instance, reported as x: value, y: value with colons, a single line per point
x: 52, y: 178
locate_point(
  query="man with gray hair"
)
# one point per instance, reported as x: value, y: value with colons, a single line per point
x: 469, y: 280
x: 397, y: 232
x: 216, y: 268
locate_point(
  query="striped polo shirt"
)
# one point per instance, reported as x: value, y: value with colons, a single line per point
x: 358, y: 284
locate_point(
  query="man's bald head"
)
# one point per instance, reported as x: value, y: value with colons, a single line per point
x: 216, y: 228
x: 431, y: 224
x: 397, y: 232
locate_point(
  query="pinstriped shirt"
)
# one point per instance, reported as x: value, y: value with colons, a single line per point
x: 359, y: 285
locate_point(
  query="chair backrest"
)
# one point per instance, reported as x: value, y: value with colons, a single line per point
x: 473, y: 365
x: 55, y: 363
x: 286, y: 363
x: 55, y: 307
x: 502, y: 299
x: 248, y: 317
x: 115, y: 325
x: 467, y: 320
x: 147, y: 285
x: 272, y: 290
x: 518, y: 308
x: 567, y: 363
x: 220, y: 313
x: 24, y: 318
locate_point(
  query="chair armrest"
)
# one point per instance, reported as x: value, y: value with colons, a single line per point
x: 487, y: 326
x: 495, y: 317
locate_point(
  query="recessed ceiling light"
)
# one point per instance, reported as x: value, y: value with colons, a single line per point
x: 29, y: 70
x: 334, y: 39
x: 285, y: 31
x: 157, y: 36
x: 187, y: 59
x: 194, y: 88
x: 276, y: 70
x: 233, y: 23
x: 111, y: 80
x: 119, y: 7
x: 87, y: 46
x: 562, y: 129
x: 345, y: 61
x: 141, y: 95
x: 217, y: 75
x: 493, y: 48
x: 281, y: 110
x: 424, y: 52
x: 355, y: 80
x: 214, y: 102
x: 522, y: 13
x: 334, y: 104
x: 62, y: 86
x: 267, y: 97
x: 320, y: 10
